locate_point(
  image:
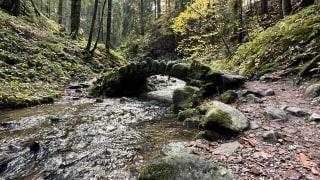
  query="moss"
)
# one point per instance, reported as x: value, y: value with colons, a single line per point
x: 216, y: 119
x: 276, y: 46
x: 228, y: 96
x: 188, y: 113
x: 36, y: 64
x: 160, y: 171
x: 207, y: 135
x: 180, y: 70
x: 184, y: 98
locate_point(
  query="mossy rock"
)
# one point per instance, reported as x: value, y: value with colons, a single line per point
x: 179, y: 70
x: 108, y: 84
x: 184, y: 166
x: 191, y: 123
x: 208, y: 135
x: 188, y: 113
x: 185, y: 98
x: 228, y: 97
x: 221, y: 117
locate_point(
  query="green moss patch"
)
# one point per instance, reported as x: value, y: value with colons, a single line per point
x: 278, y: 46
x: 37, y: 61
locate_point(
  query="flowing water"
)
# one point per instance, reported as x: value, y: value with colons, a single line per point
x: 83, y: 139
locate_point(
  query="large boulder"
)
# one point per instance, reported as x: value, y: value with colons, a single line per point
x: 185, y: 98
x: 184, y: 166
x: 312, y: 91
x: 221, y: 116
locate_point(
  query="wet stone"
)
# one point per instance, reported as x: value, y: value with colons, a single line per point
x: 296, y: 111
x: 269, y: 92
x: 275, y: 114
x: 99, y: 100
x: 175, y: 148
x: 228, y: 148
x: 314, y: 117
x: 34, y: 147
x: 270, y: 136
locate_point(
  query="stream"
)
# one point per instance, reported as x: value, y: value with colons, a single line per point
x: 84, y: 139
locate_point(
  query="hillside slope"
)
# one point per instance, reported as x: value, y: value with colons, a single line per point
x: 37, y: 61
x: 292, y: 46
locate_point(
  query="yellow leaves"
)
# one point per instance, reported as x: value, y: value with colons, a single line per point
x: 305, y: 161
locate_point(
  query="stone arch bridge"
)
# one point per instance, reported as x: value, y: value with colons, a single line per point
x: 132, y: 79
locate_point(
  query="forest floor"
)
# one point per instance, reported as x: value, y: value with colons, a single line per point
x: 296, y: 155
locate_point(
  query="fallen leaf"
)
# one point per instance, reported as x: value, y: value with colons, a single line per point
x: 242, y: 140
x: 255, y: 171
x: 315, y: 170
x: 231, y: 158
x: 290, y: 166
x: 252, y: 135
x: 265, y: 155
x: 271, y: 149
x: 267, y: 128
x: 291, y: 174
x: 203, y: 146
x: 253, y: 142
x: 305, y: 161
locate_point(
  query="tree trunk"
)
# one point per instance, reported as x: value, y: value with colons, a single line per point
x: 305, y: 3
x: 264, y: 6
x: 60, y: 5
x: 96, y: 2
x: 158, y: 8
x: 75, y: 18
x: 286, y: 7
x: 109, y: 18
x: 49, y: 8
x: 100, y: 27
x: 141, y: 18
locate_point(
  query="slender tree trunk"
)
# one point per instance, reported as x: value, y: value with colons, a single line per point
x: 158, y: 8
x: 75, y: 18
x: 264, y: 6
x: 96, y: 2
x: 286, y: 7
x: 141, y: 18
x: 48, y: 8
x: 109, y: 19
x: 155, y: 9
x: 100, y: 27
x: 60, y: 5
x: 280, y: 11
x: 306, y: 3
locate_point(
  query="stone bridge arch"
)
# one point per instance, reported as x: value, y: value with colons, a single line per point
x: 132, y: 78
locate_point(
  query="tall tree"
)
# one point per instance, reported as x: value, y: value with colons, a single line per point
x: 141, y: 17
x: 75, y: 18
x: 60, y: 8
x: 305, y: 3
x: 93, y: 21
x: 264, y: 6
x: 158, y: 8
x: 286, y: 7
x: 109, y: 19
x: 99, y: 29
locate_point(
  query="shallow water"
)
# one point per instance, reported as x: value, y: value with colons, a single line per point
x: 84, y: 139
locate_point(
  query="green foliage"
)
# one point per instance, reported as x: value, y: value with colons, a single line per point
x: 280, y: 44
x: 36, y: 62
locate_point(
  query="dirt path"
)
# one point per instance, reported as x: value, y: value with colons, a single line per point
x: 296, y: 155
